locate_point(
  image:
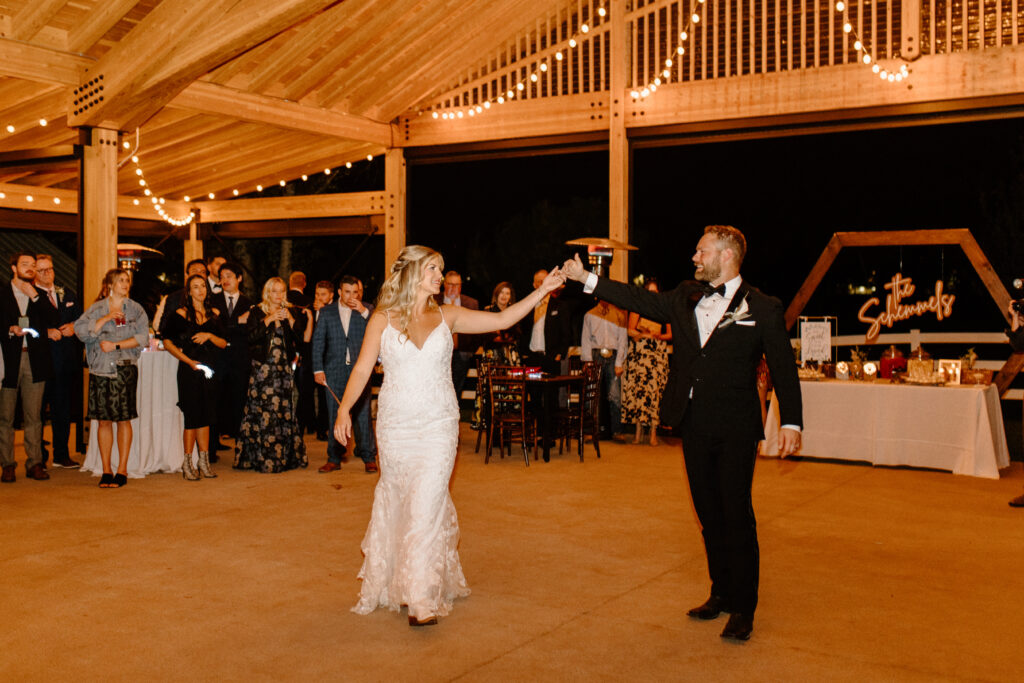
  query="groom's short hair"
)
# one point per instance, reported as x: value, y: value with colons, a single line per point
x: 729, y: 237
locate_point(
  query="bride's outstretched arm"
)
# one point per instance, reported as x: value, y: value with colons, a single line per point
x: 477, y: 322
x: 359, y: 376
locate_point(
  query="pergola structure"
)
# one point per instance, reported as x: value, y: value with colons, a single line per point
x: 218, y: 97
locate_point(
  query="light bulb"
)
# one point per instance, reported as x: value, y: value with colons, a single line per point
x: 695, y: 18
x: 899, y: 77
x: 187, y: 198
x: 840, y: 6
x: 163, y: 201
x: 10, y: 129
x: 327, y: 171
x: 56, y: 200
x: 435, y: 114
x: 135, y: 160
x: 3, y: 195
x: 487, y: 104
x: 533, y: 77
x: 458, y: 114
x: 520, y: 85
x: 210, y: 195
x: 29, y: 198
x: 572, y: 42
x: 304, y: 178
x: 138, y: 171
x: 876, y: 68
x: 892, y: 77
x: 657, y: 81
x: 666, y: 73
x: 635, y: 94
x: 135, y: 202
x: 654, y: 86
x: 867, y: 58
x: 147, y: 192
x: 681, y: 50
x: 558, y: 55
x: 142, y: 183
x: 259, y: 188
x: 479, y: 109
x: 281, y: 183
x: 857, y: 45
x: 511, y: 94
x: 884, y: 74
x: 584, y: 28
x: 125, y: 144
x: 501, y: 100
x: 348, y: 164
x: 235, y: 192
x: 847, y: 27
x: 645, y: 92
x: 472, y: 112
x: 543, y: 66
x: 601, y: 11
x: 444, y: 115
x: 683, y: 35
x: 43, y: 122
x: 668, y: 62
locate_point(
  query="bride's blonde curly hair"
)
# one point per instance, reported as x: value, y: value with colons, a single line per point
x: 398, y: 293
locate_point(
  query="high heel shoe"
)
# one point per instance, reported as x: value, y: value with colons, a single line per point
x: 204, y: 465
x: 188, y: 470
x: 426, y: 621
x: 120, y: 480
x: 107, y: 480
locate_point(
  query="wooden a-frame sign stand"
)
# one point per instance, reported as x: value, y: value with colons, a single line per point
x: 902, y: 238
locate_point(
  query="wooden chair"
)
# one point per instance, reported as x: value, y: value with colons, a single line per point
x: 484, y: 366
x: 509, y: 417
x: 578, y: 421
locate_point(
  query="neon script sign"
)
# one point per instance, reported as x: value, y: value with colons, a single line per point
x: 897, y: 309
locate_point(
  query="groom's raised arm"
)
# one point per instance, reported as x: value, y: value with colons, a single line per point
x: 649, y: 304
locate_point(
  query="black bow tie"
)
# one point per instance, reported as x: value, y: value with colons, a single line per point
x: 709, y: 290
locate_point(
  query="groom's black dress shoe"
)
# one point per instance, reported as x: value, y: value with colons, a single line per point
x: 739, y: 626
x: 710, y: 609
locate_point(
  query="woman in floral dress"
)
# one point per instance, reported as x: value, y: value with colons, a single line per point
x: 646, y: 372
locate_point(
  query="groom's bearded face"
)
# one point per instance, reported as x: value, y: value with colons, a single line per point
x: 707, y: 259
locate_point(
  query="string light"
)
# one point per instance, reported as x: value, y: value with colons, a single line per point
x: 665, y: 76
x: 864, y: 55
x: 537, y: 68
x: 158, y: 202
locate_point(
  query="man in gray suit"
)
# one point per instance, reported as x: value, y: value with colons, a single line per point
x: 337, y: 337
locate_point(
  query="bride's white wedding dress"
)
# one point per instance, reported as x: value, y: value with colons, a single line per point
x: 411, y: 542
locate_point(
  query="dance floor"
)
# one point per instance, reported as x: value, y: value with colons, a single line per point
x: 579, y: 572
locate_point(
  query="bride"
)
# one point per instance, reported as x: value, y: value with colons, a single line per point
x: 410, y: 547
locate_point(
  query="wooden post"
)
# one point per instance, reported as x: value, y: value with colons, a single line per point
x: 910, y: 26
x: 394, y: 205
x: 618, y: 143
x: 193, y: 245
x: 98, y: 207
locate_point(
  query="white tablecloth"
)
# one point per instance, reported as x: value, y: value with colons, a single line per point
x: 157, y: 432
x: 954, y: 428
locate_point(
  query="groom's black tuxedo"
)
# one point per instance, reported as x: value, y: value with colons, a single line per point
x: 712, y: 395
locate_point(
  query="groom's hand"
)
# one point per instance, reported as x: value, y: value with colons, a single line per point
x: 574, y: 270
x: 789, y: 442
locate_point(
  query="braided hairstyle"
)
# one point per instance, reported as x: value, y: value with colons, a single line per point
x: 398, y: 293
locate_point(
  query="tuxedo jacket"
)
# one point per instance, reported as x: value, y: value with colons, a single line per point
x: 66, y: 353
x: 719, y: 380
x: 563, y: 322
x: 330, y: 344
x: 237, y: 333
x: 41, y: 316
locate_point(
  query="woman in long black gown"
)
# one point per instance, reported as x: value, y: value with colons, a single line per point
x: 195, y: 335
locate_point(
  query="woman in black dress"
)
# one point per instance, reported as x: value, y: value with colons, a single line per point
x: 195, y: 335
x: 270, y: 439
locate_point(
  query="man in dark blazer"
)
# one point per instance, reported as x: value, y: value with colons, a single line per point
x: 67, y: 361
x: 464, y: 345
x: 722, y: 327
x: 27, y: 364
x: 234, y: 367
x: 555, y: 325
x: 337, y: 338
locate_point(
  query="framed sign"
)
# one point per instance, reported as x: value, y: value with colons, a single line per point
x: 816, y: 335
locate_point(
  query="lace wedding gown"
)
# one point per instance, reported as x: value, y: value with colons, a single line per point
x: 411, y: 542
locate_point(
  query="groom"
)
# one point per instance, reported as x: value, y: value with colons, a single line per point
x: 724, y: 327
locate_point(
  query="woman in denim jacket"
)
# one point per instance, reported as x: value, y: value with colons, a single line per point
x: 114, y: 329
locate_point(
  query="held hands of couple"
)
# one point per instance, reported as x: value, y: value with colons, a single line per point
x: 789, y: 441
x: 554, y: 280
x: 343, y: 427
x: 574, y: 269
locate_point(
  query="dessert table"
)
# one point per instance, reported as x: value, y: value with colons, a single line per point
x: 957, y: 428
x: 157, y: 432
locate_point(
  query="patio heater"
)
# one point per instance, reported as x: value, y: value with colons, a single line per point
x: 600, y: 251
x: 129, y: 256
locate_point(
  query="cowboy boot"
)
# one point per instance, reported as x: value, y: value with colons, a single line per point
x: 188, y: 470
x: 204, y: 465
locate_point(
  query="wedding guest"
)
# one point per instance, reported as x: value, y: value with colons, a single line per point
x: 297, y: 289
x: 712, y: 397
x: 604, y: 341
x: 66, y: 353
x: 1016, y: 335
x: 323, y: 295
x: 213, y: 264
x: 646, y: 371
x: 270, y: 439
x: 554, y: 328
x: 195, y: 335
x: 115, y: 329
x: 336, y: 343
x: 178, y: 297
x: 464, y: 345
x: 503, y: 346
x: 30, y: 321
x: 234, y: 367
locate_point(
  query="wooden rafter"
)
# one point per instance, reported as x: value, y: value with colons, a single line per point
x: 893, y: 238
x: 104, y: 16
x: 33, y: 17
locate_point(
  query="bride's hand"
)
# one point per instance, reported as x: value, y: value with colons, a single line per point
x: 343, y: 427
x: 554, y: 280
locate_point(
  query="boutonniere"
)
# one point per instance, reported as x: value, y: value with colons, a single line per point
x: 60, y: 291
x: 741, y: 312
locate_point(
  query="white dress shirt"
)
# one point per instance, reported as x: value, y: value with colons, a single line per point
x: 710, y: 309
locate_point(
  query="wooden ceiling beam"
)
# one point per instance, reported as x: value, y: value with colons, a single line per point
x: 97, y: 22
x: 176, y: 43
x: 276, y: 208
x: 210, y: 98
x: 321, y: 227
x: 40, y: 64
x: 16, y: 197
x: 295, y: 46
x: 33, y: 17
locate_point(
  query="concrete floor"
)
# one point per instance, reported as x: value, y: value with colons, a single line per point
x: 579, y: 572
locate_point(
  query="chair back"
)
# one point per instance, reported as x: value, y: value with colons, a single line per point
x: 506, y: 394
x: 590, y: 393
